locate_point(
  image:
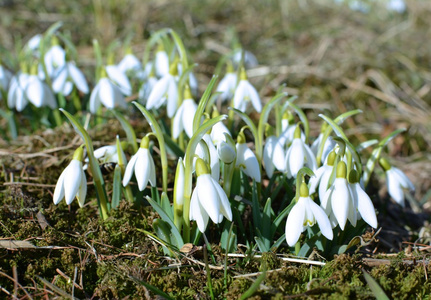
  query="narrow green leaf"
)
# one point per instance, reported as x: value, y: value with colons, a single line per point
x: 389, y: 138
x: 152, y: 288
x: 254, y: 287
x: 266, y: 223
x: 203, y: 103
x: 166, y: 205
x: 116, y: 188
x: 375, y: 287
x: 130, y: 132
x: 260, y: 243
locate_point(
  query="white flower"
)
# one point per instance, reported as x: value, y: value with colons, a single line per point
x: 364, y: 204
x: 218, y: 132
x: 16, y: 94
x: 183, y: 119
x: 305, y: 214
x: 208, y: 199
x: 106, y: 154
x: 165, y: 89
x: 161, y: 63
x: 285, y: 139
x: 397, y: 182
x: 129, y: 63
x: 34, y: 42
x: 142, y: 164
x: 179, y: 183
x: 246, y: 92
x: 298, y: 155
x: 250, y: 60
x: 39, y: 93
x: 54, y: 58
x: 246, y: 160
x: 120, y: 79
x: 212, y: 160
x: 68, y: 75
x: 268, y: 152
x: 72, y: 181
x: 227, y: 86
x: 5, y: 78
x: 146, y: 88
x: 226, y: 153
x: 327, y: 148
x: 398, y: 6
x: 108, y: 94
x: 338, y: 202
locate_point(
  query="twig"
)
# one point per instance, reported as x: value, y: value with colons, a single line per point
x: 294, y: 260
x: 8, y: 277
x: 68, y: 279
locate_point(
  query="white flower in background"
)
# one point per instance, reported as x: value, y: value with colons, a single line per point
x: 183, y: 119
x: 67, y: 76
x: 218, y: 131
x: 119, y: 78
x: 323, y: 175
x: 298, y: 155
x: 397, y: 182
x: 161, y: 62
x: 38, y: 92
x: 268, y: 151
x: 165, y: 90
x: 107, y: 93
x: 130, y: 63
x: 250, y: 60
x: 244, y: 93
x: 338, y: 202
x: 227, y: 84
x: 246, y: 160
x: 34, y: 42
x: 192, y: 82
x: 16, y: 94
x: 142, y: 164
x: 107, y: 154
x: 54, y: 58
x: 398, y: 6
x: 305, y: 213
x: 226, y: 152
x: 327, y: 148
x: 72, y: 181
x: 5, y: 78
x: 208, y: 199
x: 146, y: 88
x: 365, y: 206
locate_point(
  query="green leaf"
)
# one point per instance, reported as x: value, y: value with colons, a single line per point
x: 152, y: 288
x: 254, y: 287
x: 116, y: 188
x: 249, y: 123
x: 375, y: 287
x: 130, y: 132
x: 260, y: 243
x: 266, y: 223
x: 203, y: 103
x: 257, y: 219
x: 166, y: 205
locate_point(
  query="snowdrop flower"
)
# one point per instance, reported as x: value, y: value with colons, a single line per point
x: 338, y: 202
x: 227, y: 84
x: 165, y: 90
x: 130, y: 63
x: 219, y: 130
x: 107, y: 93
x: 246, y: 160
x: 305, y: 214
x: 208, y: 199
x: 398, y: 6
x: 397, y: 182
x: 183, y: 119
x: 327, y: 147
x: 250, y: 60
x: 192, y: 82
x: 34, y: 42
x: 38, y: 92
x: 142, y: 164
x: 323, y: 175
x: 209, y: 154
x: 16, y: 94
x: 161, y: 62
x: 119, y: 78
x: 244, y: 93
x: 55, y: 57
x: 268, y: 151
x: 72, y: 181
x: 107, y: 154
x: 226, y: 152
x: 364, y: 204
x: 298, y: 155
x: 67, y: 76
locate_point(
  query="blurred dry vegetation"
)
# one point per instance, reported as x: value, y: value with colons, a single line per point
x: 333, y: 58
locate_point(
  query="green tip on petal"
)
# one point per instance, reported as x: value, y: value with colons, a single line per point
x: 33, y: 70
x: 129, y: 50
x: 268, y: 130
x: 353, y: 176
x: 173, y: 69
x: 201, y: 167
x: 145, y: 142
x: 384, y: 163
x: 241, y: 138
x: 297, y: 134
x: 303, y: 190
x: 288, y: 116
x: 243, y: 74
x: 341, y: 169
x: 229, y: 67
x: 331, y: 158
x: 215, y: 112
x: 54, y: 41
x: 103, y: 73
x: 79, y: 154
x: 24, y: 67
x: 187, y: 92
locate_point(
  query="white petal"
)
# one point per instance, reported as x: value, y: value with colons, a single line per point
x: 82, y: 192
x: 129, y: 169
x: 178, y: 124
x: 294, y: 223
x: 162, y: 63
x: 60, y: 80
x: 208, y: 196
x: 71, y: 185
x: 190, y: 108
x: 95, y: 99
x: 340, y: 201
x: 238, y: 98
x: 197, y: 212
x: 403, y: 179
x: 295, y: 157
x: 172, y: 101
x: 394, y: 188
x: 78, y: 78
x: 225, y: 204
x: 142, y: 168
x: 116, y: 75
x: 158, y: 92
x: 34, y: 91
x: 365, y: 205
x: 278, y: 156
x: 59, y: 188
x: 152, y: 178
x: 254, y: 97
x: 315, y: 180
x: 268, y: 150
x: 322, y: 220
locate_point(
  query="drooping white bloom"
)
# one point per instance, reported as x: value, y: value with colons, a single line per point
x: 67, y: 76
x: 130, y: 63
x: 218, y: 132
x: 34, y: 42
x: 165, y: 90
x: 226, y: 152
x: 119, y: 78
x: 206, y: 149
x: 72, y: 181
x: 365, y: 206
x: 327, y: 148
x: 146, y: 88
x: 179, y: 183
x: 305, y: 214
x: 16, y: 94
x: 183, y: 119
x: 208, y: 199
x: 142, y: 165
x: 250, y: 60
x: 161, y: 63
x: 298, y: 155
x: 54, y: 58
x: 398, y: 6
x: 244, y: 93
x: 5, y: 78
x: 246, y: 160
x: 397, y: 182
x: 227, y: 86
x: 338, y: 202
x: 107, y: 154
x: 39, y: 93
x: 107, y: 93
x: 268, y: 152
